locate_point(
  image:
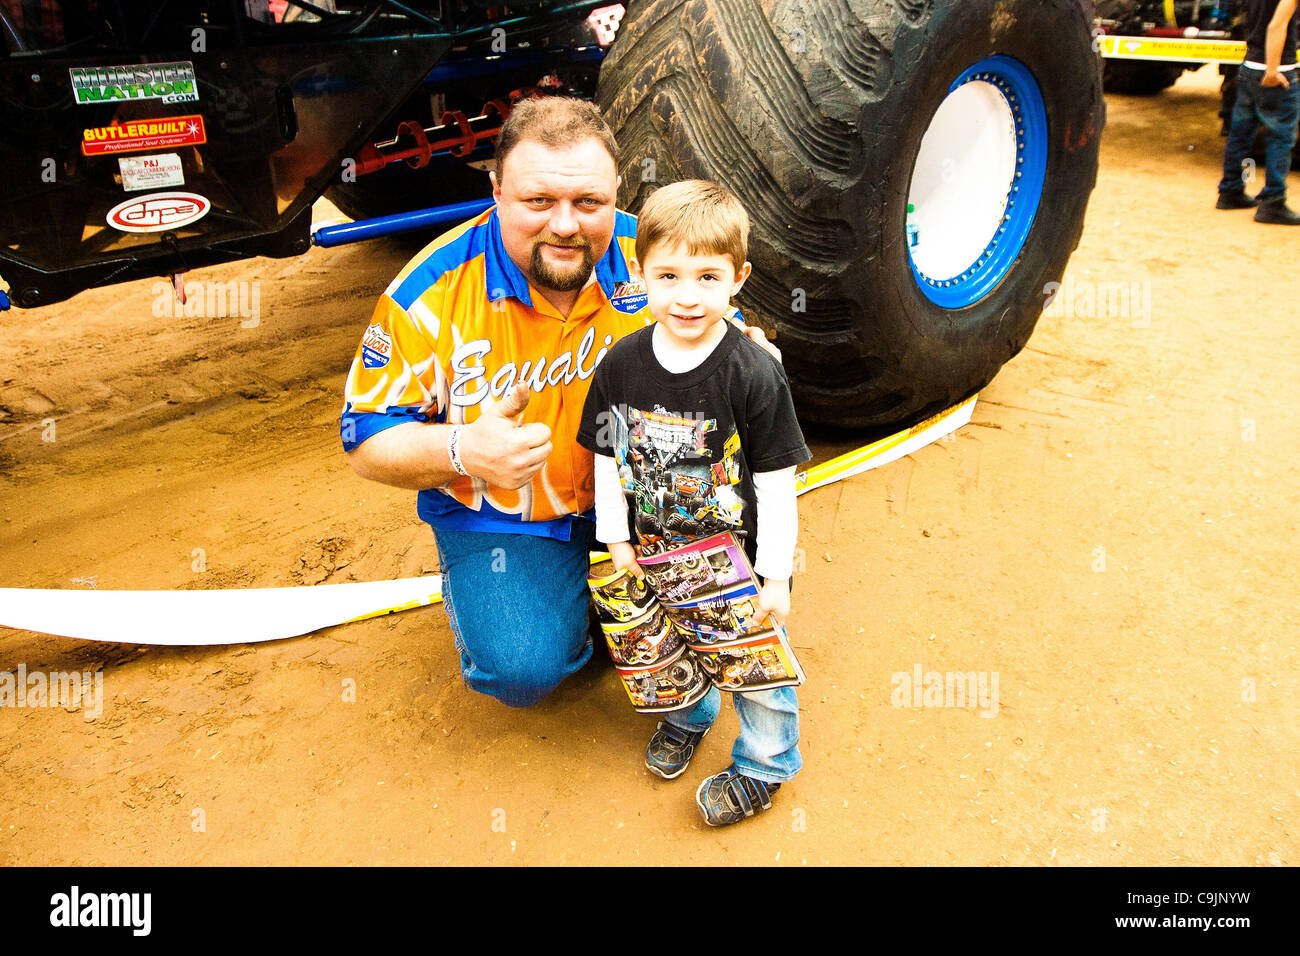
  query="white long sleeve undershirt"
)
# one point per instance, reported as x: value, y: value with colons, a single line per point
x: 778, y: 523
x: 611, y: 506
x: 775, y: 507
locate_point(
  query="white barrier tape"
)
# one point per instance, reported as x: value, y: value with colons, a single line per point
x: 252, y: 615
x: 221, y: 616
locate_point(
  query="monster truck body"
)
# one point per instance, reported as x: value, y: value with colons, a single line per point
x: 143, y: 140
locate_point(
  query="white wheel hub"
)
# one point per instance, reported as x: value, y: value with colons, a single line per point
x: 962, y: 180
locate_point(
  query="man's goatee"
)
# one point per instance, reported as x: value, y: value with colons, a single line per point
x: 567, y: 281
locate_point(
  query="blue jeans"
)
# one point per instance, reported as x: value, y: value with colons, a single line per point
x: 517, y: 605
x: 768, y: 745
x: 1279, y: 110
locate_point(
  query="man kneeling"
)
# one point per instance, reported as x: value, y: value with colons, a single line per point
x: 468, y: 386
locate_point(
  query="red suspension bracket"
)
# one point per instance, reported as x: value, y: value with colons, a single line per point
x: 422, y: 152
x: 455, y: 134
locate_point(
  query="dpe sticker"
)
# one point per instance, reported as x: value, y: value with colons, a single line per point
x: 158, y: 211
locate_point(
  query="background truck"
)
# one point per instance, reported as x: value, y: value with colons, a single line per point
x: 1148, y: 44
x: 1153, y: 42
x: 917, y: 171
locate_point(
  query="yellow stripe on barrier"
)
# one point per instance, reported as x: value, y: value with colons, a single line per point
x: 879, y: 453
x: 1159, y: 49
x: 434, y: 597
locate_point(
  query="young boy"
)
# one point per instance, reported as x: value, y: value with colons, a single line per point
x: 702, y: 420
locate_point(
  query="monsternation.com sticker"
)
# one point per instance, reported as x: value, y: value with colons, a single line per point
x: 140, y: 135
x: 169, y: 82
x: 158, y: 211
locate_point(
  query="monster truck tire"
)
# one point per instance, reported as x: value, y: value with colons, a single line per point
x: 815, y: 115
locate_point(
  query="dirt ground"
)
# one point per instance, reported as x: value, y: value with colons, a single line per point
x: 1109, y: 537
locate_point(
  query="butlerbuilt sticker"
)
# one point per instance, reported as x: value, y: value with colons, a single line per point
x: 143, y: 135
x: 158, y: 211
x: 169, y: 82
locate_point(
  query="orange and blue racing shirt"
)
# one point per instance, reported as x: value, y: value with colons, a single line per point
x: 460, y: 325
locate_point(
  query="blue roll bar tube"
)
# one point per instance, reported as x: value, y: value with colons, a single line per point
x: 363, y: 229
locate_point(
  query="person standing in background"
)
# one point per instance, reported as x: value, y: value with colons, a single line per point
x: 1268, y: 92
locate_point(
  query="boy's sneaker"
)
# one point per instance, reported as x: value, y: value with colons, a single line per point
x: 670, y: 750
x: 730, y: 797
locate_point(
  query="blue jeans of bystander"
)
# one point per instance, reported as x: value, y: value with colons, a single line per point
x: 517, y: 604
x: 1278, y: 110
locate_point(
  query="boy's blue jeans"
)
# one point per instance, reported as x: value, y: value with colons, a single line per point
x: 768, y: 745
x: 517, y: 605
x: 1279, y: 110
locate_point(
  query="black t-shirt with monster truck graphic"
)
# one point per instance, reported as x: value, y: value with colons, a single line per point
x: 687, y: 445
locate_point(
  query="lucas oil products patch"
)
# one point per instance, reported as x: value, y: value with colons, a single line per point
x: 376, y: 347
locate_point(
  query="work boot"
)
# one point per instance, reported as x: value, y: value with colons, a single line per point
x: 1236, y: 199
x: 1276, y: 213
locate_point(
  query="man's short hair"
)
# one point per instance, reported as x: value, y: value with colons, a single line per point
x: 554, y: 121
x: 699, y: 214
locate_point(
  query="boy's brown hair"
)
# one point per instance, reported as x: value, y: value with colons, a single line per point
x: 554, y: 121
x: 699, y: 214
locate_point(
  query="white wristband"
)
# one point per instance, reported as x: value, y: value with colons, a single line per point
x: 453, y: 449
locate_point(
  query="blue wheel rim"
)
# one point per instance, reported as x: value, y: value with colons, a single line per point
x: 1025, y: 100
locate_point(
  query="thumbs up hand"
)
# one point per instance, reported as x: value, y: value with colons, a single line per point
x: 501, y: 450
x: 511, y: 405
